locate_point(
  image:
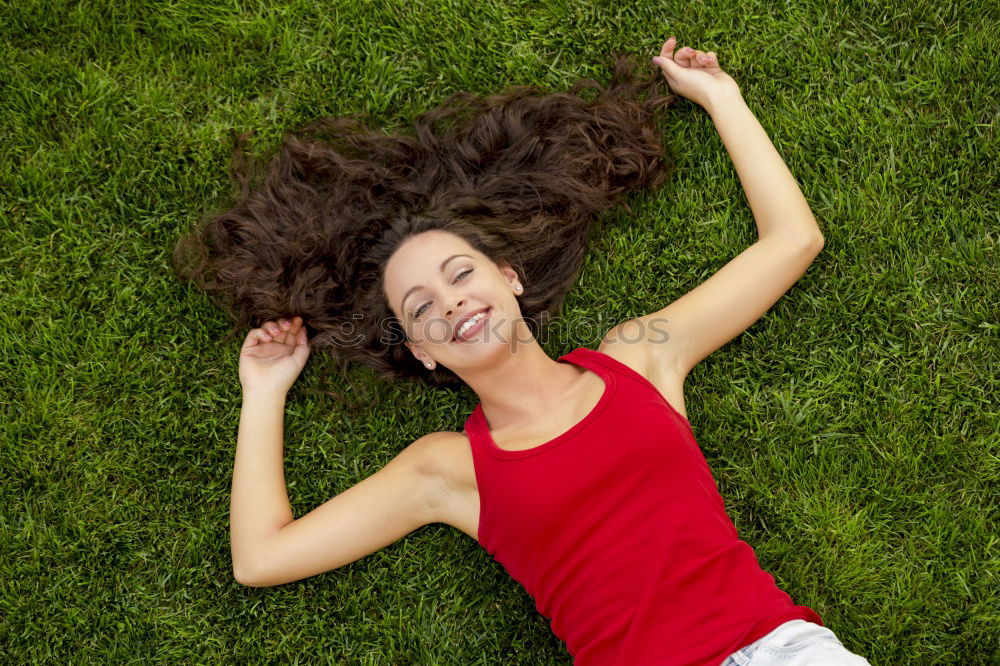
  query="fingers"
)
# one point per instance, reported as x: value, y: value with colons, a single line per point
x: 283, y: 331
x: 301, y: 351
x: 703, y: 59
x: 687, y: 56
x: 683, y: 56
x: 706, y: 59
x: 276, y: 332
x: 667, y: 51
x: 296, y: 328
x: 691, y: 57
x: 297, y: 333
x: 255, y: 337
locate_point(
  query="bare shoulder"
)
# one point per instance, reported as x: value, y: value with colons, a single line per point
x: 443, y: 454
x: 447, y: 459
x: 632, y: 343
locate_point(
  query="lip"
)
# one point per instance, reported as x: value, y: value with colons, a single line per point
x: 475, y: 327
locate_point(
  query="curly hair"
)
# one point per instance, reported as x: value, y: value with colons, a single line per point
x: 519, y: 175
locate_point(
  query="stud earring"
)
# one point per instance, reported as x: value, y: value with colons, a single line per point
x: 517, y: 288
x: 428, y: 365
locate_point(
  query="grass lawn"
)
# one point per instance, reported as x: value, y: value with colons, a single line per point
x: 853, y: 430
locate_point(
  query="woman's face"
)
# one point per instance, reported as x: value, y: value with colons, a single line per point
x: 435, y: 280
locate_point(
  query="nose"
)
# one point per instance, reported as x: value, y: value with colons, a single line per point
x: 456, y: 301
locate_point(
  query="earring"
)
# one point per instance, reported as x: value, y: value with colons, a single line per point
x: 517, y: 288
x: 429, y: 365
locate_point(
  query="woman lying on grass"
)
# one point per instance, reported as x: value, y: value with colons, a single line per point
x: 441, y: 254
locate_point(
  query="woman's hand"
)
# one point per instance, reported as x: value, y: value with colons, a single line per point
x: 273, y: 355
x: 694, y: 74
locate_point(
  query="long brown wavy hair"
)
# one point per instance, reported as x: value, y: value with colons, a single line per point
x: 520, y: 175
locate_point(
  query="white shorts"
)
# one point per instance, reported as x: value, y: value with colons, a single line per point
x: 796, y: 643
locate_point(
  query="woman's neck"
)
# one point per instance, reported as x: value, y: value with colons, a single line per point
x: 522, y: 385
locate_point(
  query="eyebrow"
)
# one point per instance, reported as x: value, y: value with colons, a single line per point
x: 413, y: 289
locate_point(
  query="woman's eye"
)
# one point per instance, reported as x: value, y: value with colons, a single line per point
x: 421, y: 309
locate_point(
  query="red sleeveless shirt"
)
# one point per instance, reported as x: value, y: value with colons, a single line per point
x: 617, y: 530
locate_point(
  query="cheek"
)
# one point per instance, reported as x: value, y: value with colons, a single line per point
x: 434, y: 331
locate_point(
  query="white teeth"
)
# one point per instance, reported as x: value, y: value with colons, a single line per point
x: 469, y: 323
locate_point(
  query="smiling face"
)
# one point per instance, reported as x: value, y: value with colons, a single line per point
x: 434, y: 280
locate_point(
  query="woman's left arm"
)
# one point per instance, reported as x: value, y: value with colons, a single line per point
x: 775, y: 199
x: 778, y: 205
x: 738, y: 294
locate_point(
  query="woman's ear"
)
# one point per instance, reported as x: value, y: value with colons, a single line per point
x: 508, y: 272
x: 418, y: 354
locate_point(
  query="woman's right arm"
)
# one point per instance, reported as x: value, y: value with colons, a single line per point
x: 259, y: 506
x: 270, y: 547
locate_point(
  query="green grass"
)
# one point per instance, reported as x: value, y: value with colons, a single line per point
x: 852, y: 430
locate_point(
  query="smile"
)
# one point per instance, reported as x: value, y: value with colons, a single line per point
x: 472, y: 326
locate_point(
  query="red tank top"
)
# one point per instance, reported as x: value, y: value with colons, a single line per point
x: 617, y: 530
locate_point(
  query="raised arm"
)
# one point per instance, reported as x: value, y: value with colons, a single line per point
x: 778, y: 206
x: 270, y: 547
x: 739, y: 293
